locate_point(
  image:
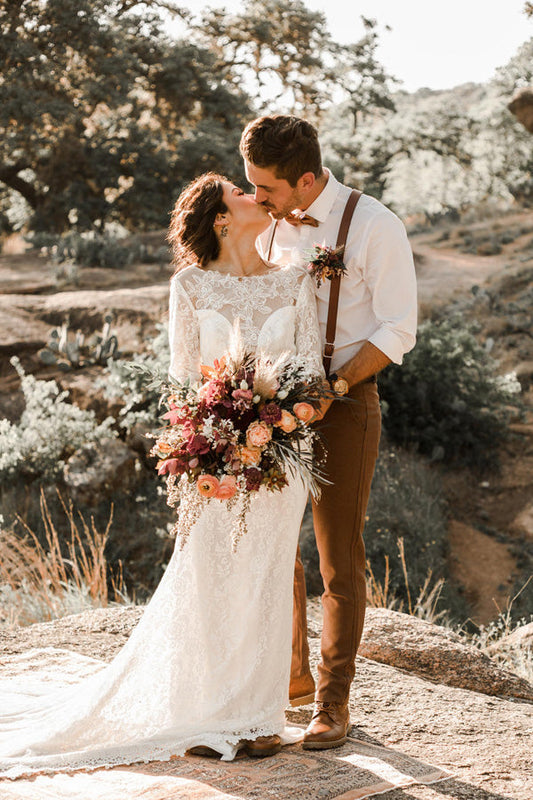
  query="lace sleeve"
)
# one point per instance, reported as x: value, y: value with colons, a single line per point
x: 183, y: 334
x: 308, y: 340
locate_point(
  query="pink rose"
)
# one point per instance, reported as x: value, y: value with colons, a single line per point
x: 287, y: 422
x: 304, y: 411
x: 207, y: 485
x: 258, y: 434
x: 227, y: 487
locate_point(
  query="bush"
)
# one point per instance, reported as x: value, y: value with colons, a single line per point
x: 446, y: 399
x: 49, y: 431
x: 131, y: 382
x: 91, y: 249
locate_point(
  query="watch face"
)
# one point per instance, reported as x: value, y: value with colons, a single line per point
x: 340, y: 386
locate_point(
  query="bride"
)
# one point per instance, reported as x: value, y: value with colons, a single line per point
x: 207, y: 667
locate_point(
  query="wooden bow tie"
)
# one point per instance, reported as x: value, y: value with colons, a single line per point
x: 297, y: 217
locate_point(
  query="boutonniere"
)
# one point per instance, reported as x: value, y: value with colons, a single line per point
x: 326, y: 263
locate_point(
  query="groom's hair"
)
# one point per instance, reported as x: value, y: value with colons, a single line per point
x: 288, y: 145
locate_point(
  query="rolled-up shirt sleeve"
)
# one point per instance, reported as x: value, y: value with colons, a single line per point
x: 388, y: 271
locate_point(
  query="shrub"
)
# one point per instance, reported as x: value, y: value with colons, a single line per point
x: 49, y: 431
x: 131, y: 382
x: 446, y: 399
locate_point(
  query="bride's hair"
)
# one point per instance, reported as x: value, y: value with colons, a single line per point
x: 191, y: 234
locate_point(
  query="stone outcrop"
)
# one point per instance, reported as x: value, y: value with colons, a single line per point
x: 521, y: 106
x: 485, y: 742
x: 436, y: 653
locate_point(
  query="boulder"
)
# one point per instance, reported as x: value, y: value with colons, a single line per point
x: 521, y: 106
x: 97, y: 470
x: 523, y: 522
x: 436, y: 653
x: 520, y: 639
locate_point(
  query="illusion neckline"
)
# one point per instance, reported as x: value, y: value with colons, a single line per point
x: 274, y: 271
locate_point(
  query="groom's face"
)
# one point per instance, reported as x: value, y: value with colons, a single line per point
x: 275, y: 194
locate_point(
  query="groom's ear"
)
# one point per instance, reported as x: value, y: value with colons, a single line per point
x: 306, y: 181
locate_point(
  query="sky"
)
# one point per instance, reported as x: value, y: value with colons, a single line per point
x: 435, y: 44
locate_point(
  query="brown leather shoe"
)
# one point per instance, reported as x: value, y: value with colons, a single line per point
x: 203, y: 750
x: 328, y: 727
x: 262, y: 746
x: 302, y: 690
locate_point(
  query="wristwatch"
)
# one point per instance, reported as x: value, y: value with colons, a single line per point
x: 339, y: 385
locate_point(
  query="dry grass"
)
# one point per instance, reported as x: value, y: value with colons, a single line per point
x: 39, y: 583
x: 425, y: 605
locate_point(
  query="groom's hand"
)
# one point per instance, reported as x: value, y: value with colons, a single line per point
x: 322, y: 408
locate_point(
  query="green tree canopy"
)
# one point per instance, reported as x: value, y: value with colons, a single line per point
x: 103, y: 116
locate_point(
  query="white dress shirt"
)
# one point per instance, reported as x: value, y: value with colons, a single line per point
x: 377, y: 300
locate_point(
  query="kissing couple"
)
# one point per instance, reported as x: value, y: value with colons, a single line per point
x: 221, y: 649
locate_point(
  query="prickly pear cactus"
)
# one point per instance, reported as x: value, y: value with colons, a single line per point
x: 69, y: 350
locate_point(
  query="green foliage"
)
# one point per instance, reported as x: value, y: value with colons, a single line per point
x: 283, y: 48
x: 446, y: 399
x: 96, y: 103
x: 49, y: 431
x: 69, y: 352
x: 130, y: 381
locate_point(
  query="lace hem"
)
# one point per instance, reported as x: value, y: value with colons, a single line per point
x: 227, y: 744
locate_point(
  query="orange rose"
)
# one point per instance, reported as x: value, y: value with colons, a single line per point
x: 250, y: 456
x: 258, y: 434
x: 304, y: 411
x: 287, y: 422
x: 227, y: 488
x: 207, y: 485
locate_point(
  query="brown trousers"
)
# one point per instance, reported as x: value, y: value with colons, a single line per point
x: 350, y: 432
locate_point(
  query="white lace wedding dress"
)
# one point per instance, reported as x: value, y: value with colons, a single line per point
x: 208, y: 663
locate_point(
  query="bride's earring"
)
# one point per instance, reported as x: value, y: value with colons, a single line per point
x: 224, y: 231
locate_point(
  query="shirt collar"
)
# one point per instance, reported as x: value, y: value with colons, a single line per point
x: 322, y: 205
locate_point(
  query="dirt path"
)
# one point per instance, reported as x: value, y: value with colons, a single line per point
x: 444, y: 274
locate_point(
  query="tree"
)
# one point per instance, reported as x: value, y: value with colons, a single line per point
x: 286, y: 53
x: 99, y: 110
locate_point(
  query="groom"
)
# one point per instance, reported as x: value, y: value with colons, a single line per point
x: 375, y: 325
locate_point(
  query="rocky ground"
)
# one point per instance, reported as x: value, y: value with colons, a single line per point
x: 421, y: 692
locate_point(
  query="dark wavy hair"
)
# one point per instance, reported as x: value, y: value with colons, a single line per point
x: 191, y: 234
x: 288, y: 145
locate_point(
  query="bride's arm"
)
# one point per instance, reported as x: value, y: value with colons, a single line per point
x: 308, y: 339
x: 183, y: 335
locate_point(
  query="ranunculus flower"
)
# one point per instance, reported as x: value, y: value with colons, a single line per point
x: 207, y: 485
x: 258, y: 434
x: 287, y: 422
x: 270, y: 413
x: 227, y: 487
x: 250, y: 456
x: 253, y: 477
x: 304, y: 411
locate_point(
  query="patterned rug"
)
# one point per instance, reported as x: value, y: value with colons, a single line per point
x: 351, y: 772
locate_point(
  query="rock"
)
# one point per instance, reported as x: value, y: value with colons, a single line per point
x: 99, y: 633
x: 436, y: 653
x: 521, y: 106
x: 523, y: 523
x: 485, y: 742
x: 100, y: 469
x: 488, y: 249
x: 524, y: 373
x: 520, y: 639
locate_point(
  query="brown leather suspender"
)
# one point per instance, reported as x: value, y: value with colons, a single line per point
x: 334, y: 291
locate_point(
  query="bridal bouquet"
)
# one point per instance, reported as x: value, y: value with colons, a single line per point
x: 244, y: 426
